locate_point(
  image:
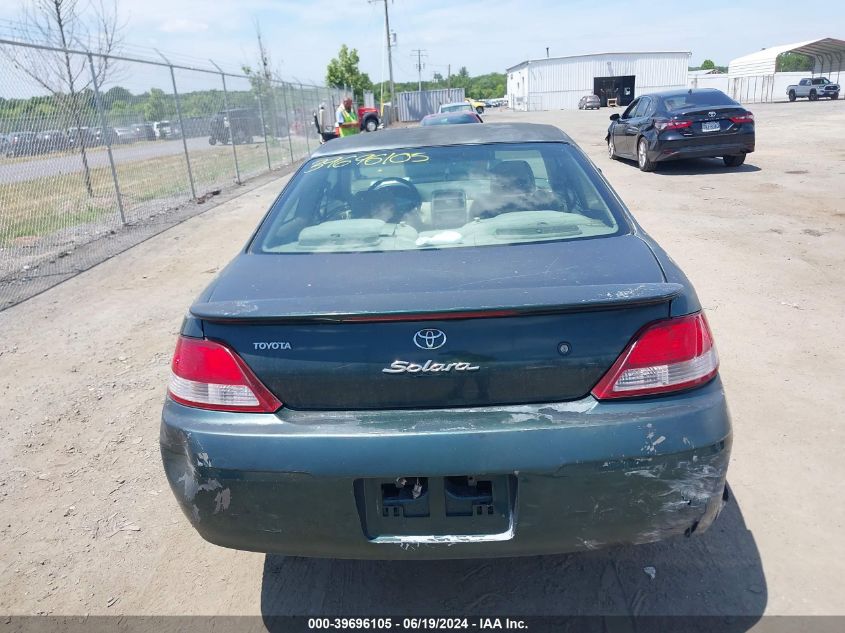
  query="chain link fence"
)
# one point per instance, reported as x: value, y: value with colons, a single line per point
x: 89, y: 166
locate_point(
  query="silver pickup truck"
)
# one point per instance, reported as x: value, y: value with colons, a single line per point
x: 813, y: 88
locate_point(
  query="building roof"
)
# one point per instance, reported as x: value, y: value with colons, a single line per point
x: 442, y: 135
x: 706, y: 71
x: 826, y: 51
x: 552, y: 59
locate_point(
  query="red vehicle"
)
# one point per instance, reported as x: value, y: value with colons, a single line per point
x: 369, y: 119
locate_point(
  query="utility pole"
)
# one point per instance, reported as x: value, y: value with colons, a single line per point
x: 419, y: 52
x: 389, y: 58
x: 449, y: 76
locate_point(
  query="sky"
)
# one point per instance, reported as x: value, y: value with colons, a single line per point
x: 485, y: 36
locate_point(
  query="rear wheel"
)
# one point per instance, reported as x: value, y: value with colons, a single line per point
x: 792, y: 95
x: 813, y: 95
x: 642, y: 156
x: 734, y: 161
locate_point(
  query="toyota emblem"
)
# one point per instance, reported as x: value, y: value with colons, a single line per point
x: 430, y: 339
x: 711, y: 114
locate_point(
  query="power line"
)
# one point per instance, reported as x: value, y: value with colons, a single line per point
x: 420, y: 54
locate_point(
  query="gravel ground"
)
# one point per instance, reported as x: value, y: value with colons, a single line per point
x: 88, y: 524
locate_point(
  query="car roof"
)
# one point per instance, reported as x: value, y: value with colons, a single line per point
x: 446, y: 115
x: 678, y: 93
x: 445, y: 135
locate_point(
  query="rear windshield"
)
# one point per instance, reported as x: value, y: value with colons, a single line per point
x: 440, y: 197
x: 455, y: 107
x: 450, y: 119
x: 692, y: 99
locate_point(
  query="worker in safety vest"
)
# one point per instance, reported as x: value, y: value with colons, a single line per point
x: 347, y: 120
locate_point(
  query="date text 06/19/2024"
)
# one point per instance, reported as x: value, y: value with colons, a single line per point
x: 416, y: 624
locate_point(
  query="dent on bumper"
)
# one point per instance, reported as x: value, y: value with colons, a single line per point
x: 587, y: 474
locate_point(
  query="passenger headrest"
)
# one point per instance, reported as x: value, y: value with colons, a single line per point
x: 512, y: 176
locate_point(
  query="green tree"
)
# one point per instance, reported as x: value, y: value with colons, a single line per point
x: 117, y: 93
x: 343, y: 71
x: 793, y: 62
x: 708, y: 64
x: 65, y: 23
x: 156, y: 106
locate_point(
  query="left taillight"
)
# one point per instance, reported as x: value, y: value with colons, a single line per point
x: 670, y: 355
x: 672, y: 124
x: 209, y: 375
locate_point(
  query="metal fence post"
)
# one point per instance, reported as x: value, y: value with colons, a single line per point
x: 231, y: 130
x: 304, y: 117
x: 182, y: 129
x: 106, y: 136
x: 264, y: 130
x: 287, y: 121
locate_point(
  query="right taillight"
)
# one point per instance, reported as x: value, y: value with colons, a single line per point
x: 665, y: 356
x: 209, y: 375
x: 743, y: 118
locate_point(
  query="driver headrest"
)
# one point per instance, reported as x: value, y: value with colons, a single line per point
x: 512, y: 176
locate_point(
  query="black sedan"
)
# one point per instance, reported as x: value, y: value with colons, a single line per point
x: 682, y: 124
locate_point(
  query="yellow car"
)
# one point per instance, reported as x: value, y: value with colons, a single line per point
x: 478, y: 106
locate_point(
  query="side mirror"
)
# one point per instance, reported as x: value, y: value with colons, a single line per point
x: 614, y: 116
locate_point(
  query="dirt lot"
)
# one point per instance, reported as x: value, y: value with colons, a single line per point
x: 88, y: 524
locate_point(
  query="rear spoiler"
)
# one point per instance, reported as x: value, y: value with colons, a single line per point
x: 445, y: 305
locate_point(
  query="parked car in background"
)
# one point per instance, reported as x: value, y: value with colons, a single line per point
x: 165, y: 130
x: 589, y: 102
x: 369, y: 119
x: 144, y: 131
x: 315, y: 411
x: 813, y: 88
x: 451, y: 118
x: 52, y: 141
x: 477, y: 105
x: 4, y: 144
x: 22, y: 144
x: 459, y: 106
x: 104, y: 135
x: 81, y: 134
x: 236, y: 125
x: 125, y: 135
x: 694, y: 123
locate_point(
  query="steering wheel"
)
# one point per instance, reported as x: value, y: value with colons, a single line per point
x: 407, y: 197
x: 411, y: 194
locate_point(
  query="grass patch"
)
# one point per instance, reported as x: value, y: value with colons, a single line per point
x: 38, y: 207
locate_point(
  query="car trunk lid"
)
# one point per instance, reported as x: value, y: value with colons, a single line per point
x: 711, y: 120
x: 425, y: 329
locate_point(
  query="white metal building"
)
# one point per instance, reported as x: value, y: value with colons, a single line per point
x: 752, y: 78
x: 559, y: 82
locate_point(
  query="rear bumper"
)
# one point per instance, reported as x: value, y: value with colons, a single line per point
x: 724, y: 145
x: 580, y: 475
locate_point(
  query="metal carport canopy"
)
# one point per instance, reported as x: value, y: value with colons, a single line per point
x: 828, y: 53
